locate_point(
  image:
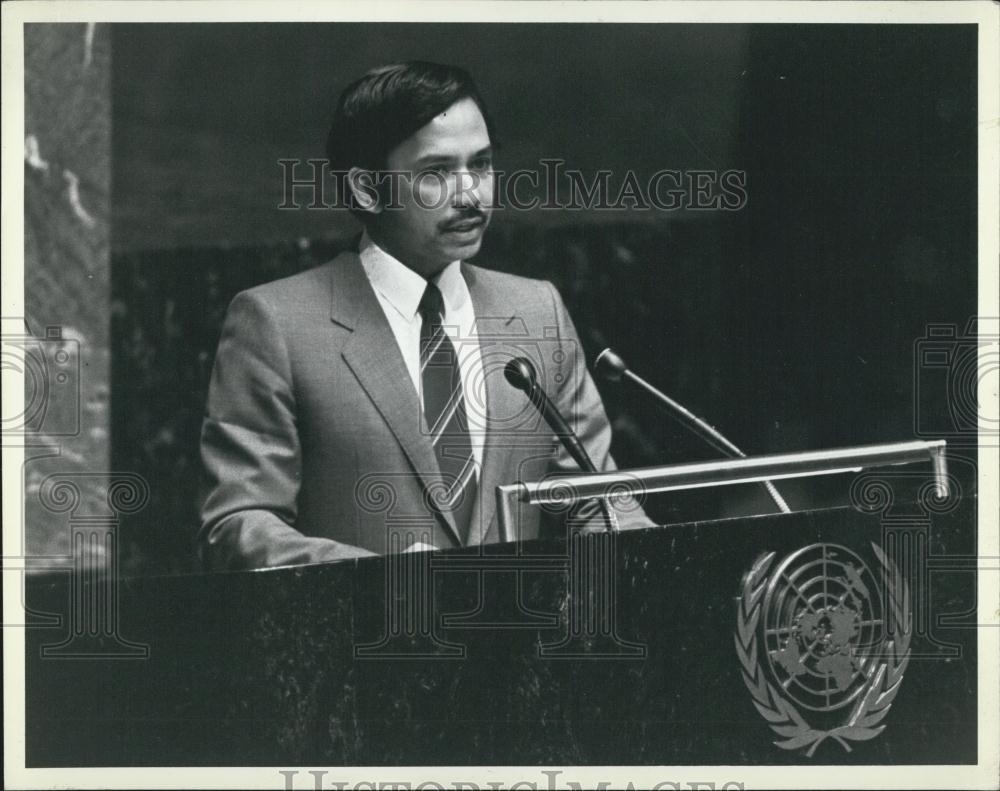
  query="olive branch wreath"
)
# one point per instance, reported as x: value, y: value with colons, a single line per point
x: 881, y: 687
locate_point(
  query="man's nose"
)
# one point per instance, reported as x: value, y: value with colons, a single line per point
x: 470, y: 190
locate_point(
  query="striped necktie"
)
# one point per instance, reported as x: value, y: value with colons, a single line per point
x: 444, y: 410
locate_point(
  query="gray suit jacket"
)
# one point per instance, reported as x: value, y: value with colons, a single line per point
x: 314, y: 443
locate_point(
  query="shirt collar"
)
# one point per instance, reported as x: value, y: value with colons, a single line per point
x: 453, y: 286
x: 402, y: 287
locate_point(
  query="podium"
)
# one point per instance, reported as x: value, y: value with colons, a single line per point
x: 842, y: 636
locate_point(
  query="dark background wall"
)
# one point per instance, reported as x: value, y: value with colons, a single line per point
x: 204, y: 112
x: 791, y: 324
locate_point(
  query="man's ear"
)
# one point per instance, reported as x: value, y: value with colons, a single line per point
x: 364, y: 195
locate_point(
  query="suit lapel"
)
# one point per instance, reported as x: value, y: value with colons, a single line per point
x: 493, y: 320
x: 373, y: 355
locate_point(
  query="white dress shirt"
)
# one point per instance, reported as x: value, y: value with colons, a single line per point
x: 399, y: 290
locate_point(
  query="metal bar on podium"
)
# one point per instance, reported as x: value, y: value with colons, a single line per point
x: 569, y: 489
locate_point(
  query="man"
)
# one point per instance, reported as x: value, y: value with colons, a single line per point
x: 360, y: 408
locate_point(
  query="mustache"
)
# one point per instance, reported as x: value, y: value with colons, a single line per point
x: 464, y: 218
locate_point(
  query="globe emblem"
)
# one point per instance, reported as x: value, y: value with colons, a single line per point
x: 823, y: 626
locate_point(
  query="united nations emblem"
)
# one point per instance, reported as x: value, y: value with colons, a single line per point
x: 823, y: 651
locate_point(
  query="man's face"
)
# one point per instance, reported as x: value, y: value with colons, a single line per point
x: 442, y: 201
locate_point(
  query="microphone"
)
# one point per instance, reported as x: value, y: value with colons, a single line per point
x: 520, y: 373
x: 611, y: 367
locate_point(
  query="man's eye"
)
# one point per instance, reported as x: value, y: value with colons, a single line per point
x: 483, y: 164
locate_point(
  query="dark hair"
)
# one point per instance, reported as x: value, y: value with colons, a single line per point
x: 379, y: 111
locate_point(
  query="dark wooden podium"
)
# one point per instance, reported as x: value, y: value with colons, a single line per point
x: 644, y: 647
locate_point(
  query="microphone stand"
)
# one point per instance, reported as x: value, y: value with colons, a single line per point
x: 691, y: 421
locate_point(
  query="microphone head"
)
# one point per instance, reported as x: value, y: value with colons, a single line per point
x: 520, y: 373
x: 610, y: 366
